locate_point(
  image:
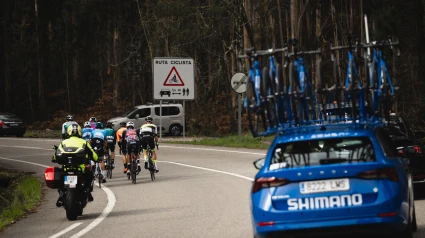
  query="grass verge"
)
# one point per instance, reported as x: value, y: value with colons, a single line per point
x: 43, y: 134
x: 20, y: 193
x: 245, y: 141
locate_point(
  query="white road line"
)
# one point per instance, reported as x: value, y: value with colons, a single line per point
x: 230, y: 151
x: 212, y: 170
x: 25, y: 147
x: 66, y: 230
x: 167, y: 146
x: 26, y: 162
x: 98, y: 220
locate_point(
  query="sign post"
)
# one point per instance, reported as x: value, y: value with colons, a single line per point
x: 238, y: 83
x: 173, y: 79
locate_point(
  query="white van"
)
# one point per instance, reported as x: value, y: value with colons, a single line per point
x: 171, y: 122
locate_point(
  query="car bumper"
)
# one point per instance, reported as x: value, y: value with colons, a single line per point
x: 12, y: 130
x: 339, y: 228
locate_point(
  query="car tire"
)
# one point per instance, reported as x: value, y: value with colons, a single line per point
x: 20, y: 135
x: 175, y: 130
x: 414, y: 223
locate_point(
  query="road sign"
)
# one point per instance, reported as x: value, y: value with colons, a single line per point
x: 173, y: 79
x: 239, y: 82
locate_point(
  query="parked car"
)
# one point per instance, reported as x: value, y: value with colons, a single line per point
x: 10, y: 124
x: 171, y: 121
x: 409, y: 146
x: 333, y: 180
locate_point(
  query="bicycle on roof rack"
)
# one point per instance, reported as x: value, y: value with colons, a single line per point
x: 255, y: 101
x: 379, y: 81
x: 300, y: 91
x: 353, y: 103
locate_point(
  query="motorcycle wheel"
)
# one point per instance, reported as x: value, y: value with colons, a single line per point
x: 71, y: 205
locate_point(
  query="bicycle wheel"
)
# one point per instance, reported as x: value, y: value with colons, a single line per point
x: 256, y: 115
x: 133, y: 169
x: 109, y: 171
x: 269, y: 90
x: 152, y: 168
x: 99, y: 175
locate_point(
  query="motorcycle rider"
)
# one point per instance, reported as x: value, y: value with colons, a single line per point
x: 73, y: 145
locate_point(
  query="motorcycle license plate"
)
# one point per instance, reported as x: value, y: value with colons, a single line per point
x: 71, y: 181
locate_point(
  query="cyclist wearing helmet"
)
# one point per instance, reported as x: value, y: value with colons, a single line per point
x: 73, y: 145
x: 130, y: 142
x: 149, y: 136
x: 69, y: 121
x: 93, y: 121
x: 111, y: 140
x: 98, y: 142
x: 118, y: 136
x: 87, y: 131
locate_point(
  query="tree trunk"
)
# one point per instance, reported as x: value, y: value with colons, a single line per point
x: 8, y: 104
x: 39, y: 59
x: 116, y: 73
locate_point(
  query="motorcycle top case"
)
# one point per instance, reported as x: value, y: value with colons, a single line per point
x: 53, y: 177
x: 71, y: 157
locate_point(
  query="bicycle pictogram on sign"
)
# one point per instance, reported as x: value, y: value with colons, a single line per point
x: 173, y: 78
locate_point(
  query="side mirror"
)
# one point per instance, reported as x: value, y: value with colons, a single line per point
x: 136, y: 116
x: 259, y: 163
x: 420, y: 134
x: 55, y: 147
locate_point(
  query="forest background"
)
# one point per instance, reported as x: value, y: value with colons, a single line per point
x: 94, y: 57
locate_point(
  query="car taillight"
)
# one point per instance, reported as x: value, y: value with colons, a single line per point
x: 384, y: 173
x: 1, y: 123
x: 267, y: 183
x: 417, y: 149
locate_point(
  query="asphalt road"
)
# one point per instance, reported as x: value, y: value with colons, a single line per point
x: 199, y: 192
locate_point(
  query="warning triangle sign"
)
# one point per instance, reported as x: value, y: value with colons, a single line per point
x: 173, y: 78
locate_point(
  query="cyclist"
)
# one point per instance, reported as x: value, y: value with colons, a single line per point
x: 111, y: 141
x: 149, y: 136
x: 118, y: 136
x: 72, y: 145
x: 87, y: 131
x: 93, y: 121
x: 130, y: 142
x: 69, y: 121
x: 99, y: 145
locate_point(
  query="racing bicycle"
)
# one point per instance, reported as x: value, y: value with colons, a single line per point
x: 151, y: 164
x: 108, y: 165
x: 133, y: 168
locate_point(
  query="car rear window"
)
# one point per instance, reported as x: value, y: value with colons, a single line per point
x: 8, y: 117
x: 322, y: 152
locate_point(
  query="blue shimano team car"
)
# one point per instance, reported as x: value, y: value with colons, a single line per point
x: 327, y: 180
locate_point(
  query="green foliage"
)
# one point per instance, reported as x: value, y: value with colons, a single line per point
x: 20, y: 196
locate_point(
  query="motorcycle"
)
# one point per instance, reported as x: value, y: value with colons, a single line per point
x: 70, y: 182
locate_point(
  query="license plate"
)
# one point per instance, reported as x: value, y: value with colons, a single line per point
x: 320, y: 186
x: 14, y: 124
x: 71, y: 181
